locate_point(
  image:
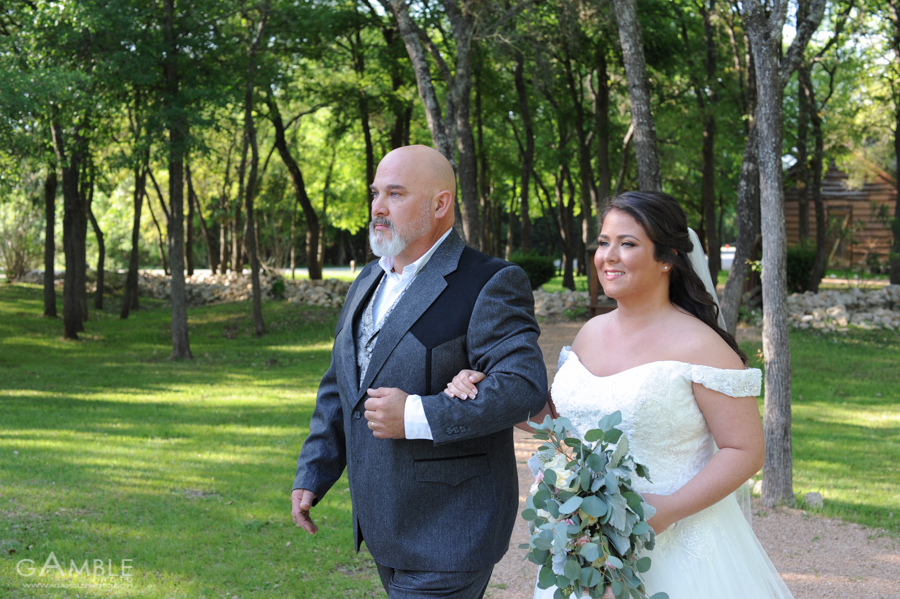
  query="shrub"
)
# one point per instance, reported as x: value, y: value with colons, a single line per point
x: 21, y: 245
x: 539, y: 269
x: 800, y: 260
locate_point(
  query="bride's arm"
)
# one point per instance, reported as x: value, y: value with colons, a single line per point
x: 463, y: 386
x: 737, y: 429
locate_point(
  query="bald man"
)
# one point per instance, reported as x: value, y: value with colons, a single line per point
x: 432, y: 479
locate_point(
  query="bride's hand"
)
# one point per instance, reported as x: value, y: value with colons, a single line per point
x: 665, y: 515
x: 463, y: 384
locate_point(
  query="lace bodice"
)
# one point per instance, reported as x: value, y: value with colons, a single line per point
x: 666, y: 430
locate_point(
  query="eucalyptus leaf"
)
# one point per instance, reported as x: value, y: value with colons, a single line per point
x: 612, y: 435
x: 571, y: 505
x: 546, y: 578
x: 640, y: 528
x: 550, y: 477
x: 553, y: 508
x: 529, y: 514
x: 541, y: 555
x: 572, y: 442
x: 615, y: 562
x: 617, y: 588
x: 643, y: 564
x: 610, y: 420
x: 585, y: 479
x: 593, y: 506
x: 543, y: 544
x: 660, y: 595
x: 593, y: 435
x: 572, y: 570
x: 634, y: 502
x: 596, y: 461
x: 540, y: 498
x: 589, y: 552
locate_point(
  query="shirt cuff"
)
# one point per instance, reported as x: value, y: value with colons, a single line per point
x: 414, y: 421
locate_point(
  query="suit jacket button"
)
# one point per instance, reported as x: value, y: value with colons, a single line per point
x: 356, y: 415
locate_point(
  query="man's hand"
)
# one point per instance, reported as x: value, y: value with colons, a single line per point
x: 301, y: 502
x: 384, y: 411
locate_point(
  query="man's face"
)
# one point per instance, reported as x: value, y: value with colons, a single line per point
x: 401, y: 207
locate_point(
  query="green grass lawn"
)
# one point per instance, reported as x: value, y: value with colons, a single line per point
x: 110, y: 452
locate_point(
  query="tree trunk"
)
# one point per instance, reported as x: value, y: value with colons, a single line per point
x: 528, y: 154
x: 895, y: 222
x: 588, y: 192
x: 250, y: 239
x: 778, y: 468
x: 803, y: 111
x: 649, y: 177
x: 50, y: 242
x: 818, y: 158
x: 70, y: 160
x: 130, y: 301
x: 764, y: 26
x: 601, y: 118
x: 181, y: 349
x: 309, y: 213
x: 747, y: 221
x: 484, y: 194
x: 160, y: 246
x: 101, y: 259
x: 189, y: 226
x: 238, y: 225
x: 208, y: 236
x: 86, y: 182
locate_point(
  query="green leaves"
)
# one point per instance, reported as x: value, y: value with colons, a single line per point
x: 594, y: 520
x: 593, y: 506
x: 571, y: 505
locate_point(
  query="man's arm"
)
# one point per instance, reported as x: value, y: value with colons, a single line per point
x: 324, y: 454
x: 502, y: 343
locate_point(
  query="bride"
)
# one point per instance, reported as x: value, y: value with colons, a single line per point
x: 686, y: 397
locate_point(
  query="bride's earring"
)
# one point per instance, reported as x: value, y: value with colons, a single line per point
x: 665, y: 268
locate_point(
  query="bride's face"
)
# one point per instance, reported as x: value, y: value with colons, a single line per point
x: 624, y: 261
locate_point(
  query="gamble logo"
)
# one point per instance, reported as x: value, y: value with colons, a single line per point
x: 89, y: 573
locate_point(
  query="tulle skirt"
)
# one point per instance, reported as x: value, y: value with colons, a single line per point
x: 710, y: 555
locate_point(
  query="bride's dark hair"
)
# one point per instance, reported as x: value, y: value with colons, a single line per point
x: 666, y: 225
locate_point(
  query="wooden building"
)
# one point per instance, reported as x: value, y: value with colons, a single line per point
x: 856, y: 228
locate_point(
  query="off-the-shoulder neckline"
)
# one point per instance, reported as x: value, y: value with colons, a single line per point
x: 598, y: 376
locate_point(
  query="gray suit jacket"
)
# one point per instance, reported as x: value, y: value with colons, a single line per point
x: 448, y: 504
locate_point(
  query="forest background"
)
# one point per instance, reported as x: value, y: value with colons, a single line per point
x: 224, y: 134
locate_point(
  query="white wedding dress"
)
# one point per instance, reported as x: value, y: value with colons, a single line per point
x: 714, y: 553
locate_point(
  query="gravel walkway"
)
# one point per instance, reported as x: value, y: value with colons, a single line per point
x: 818, y: 558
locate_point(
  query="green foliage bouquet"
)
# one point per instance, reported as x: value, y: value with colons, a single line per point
x: 586, y: 521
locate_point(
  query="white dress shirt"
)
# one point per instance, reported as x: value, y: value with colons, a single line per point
x: 415, y: 422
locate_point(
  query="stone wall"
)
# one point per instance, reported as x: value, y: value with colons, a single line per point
x: 836, y: 310
x: 233, y: 287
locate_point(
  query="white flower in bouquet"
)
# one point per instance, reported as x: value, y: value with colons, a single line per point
x: 586, y: 521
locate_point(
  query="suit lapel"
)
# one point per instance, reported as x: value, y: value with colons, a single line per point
x: 422, y: 292
x: 345, y: 344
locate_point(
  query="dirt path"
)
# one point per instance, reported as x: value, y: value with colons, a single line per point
x: 818, y: 558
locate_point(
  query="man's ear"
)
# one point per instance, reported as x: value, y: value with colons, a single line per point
x: 443, y: 204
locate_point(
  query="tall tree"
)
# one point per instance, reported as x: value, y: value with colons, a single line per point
x: 50, y: 242
x: 649, y: 177
x: 250, y: 238
x: 177, y: 128
x: 764, y: 21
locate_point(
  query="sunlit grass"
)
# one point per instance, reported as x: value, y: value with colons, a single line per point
x: 846, y: 423
x: 109, y: 451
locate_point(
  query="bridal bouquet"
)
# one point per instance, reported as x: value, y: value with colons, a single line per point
x: 586, y: 521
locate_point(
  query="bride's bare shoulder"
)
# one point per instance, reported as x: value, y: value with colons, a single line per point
x: 702, y: 345
x: 591, y: 332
